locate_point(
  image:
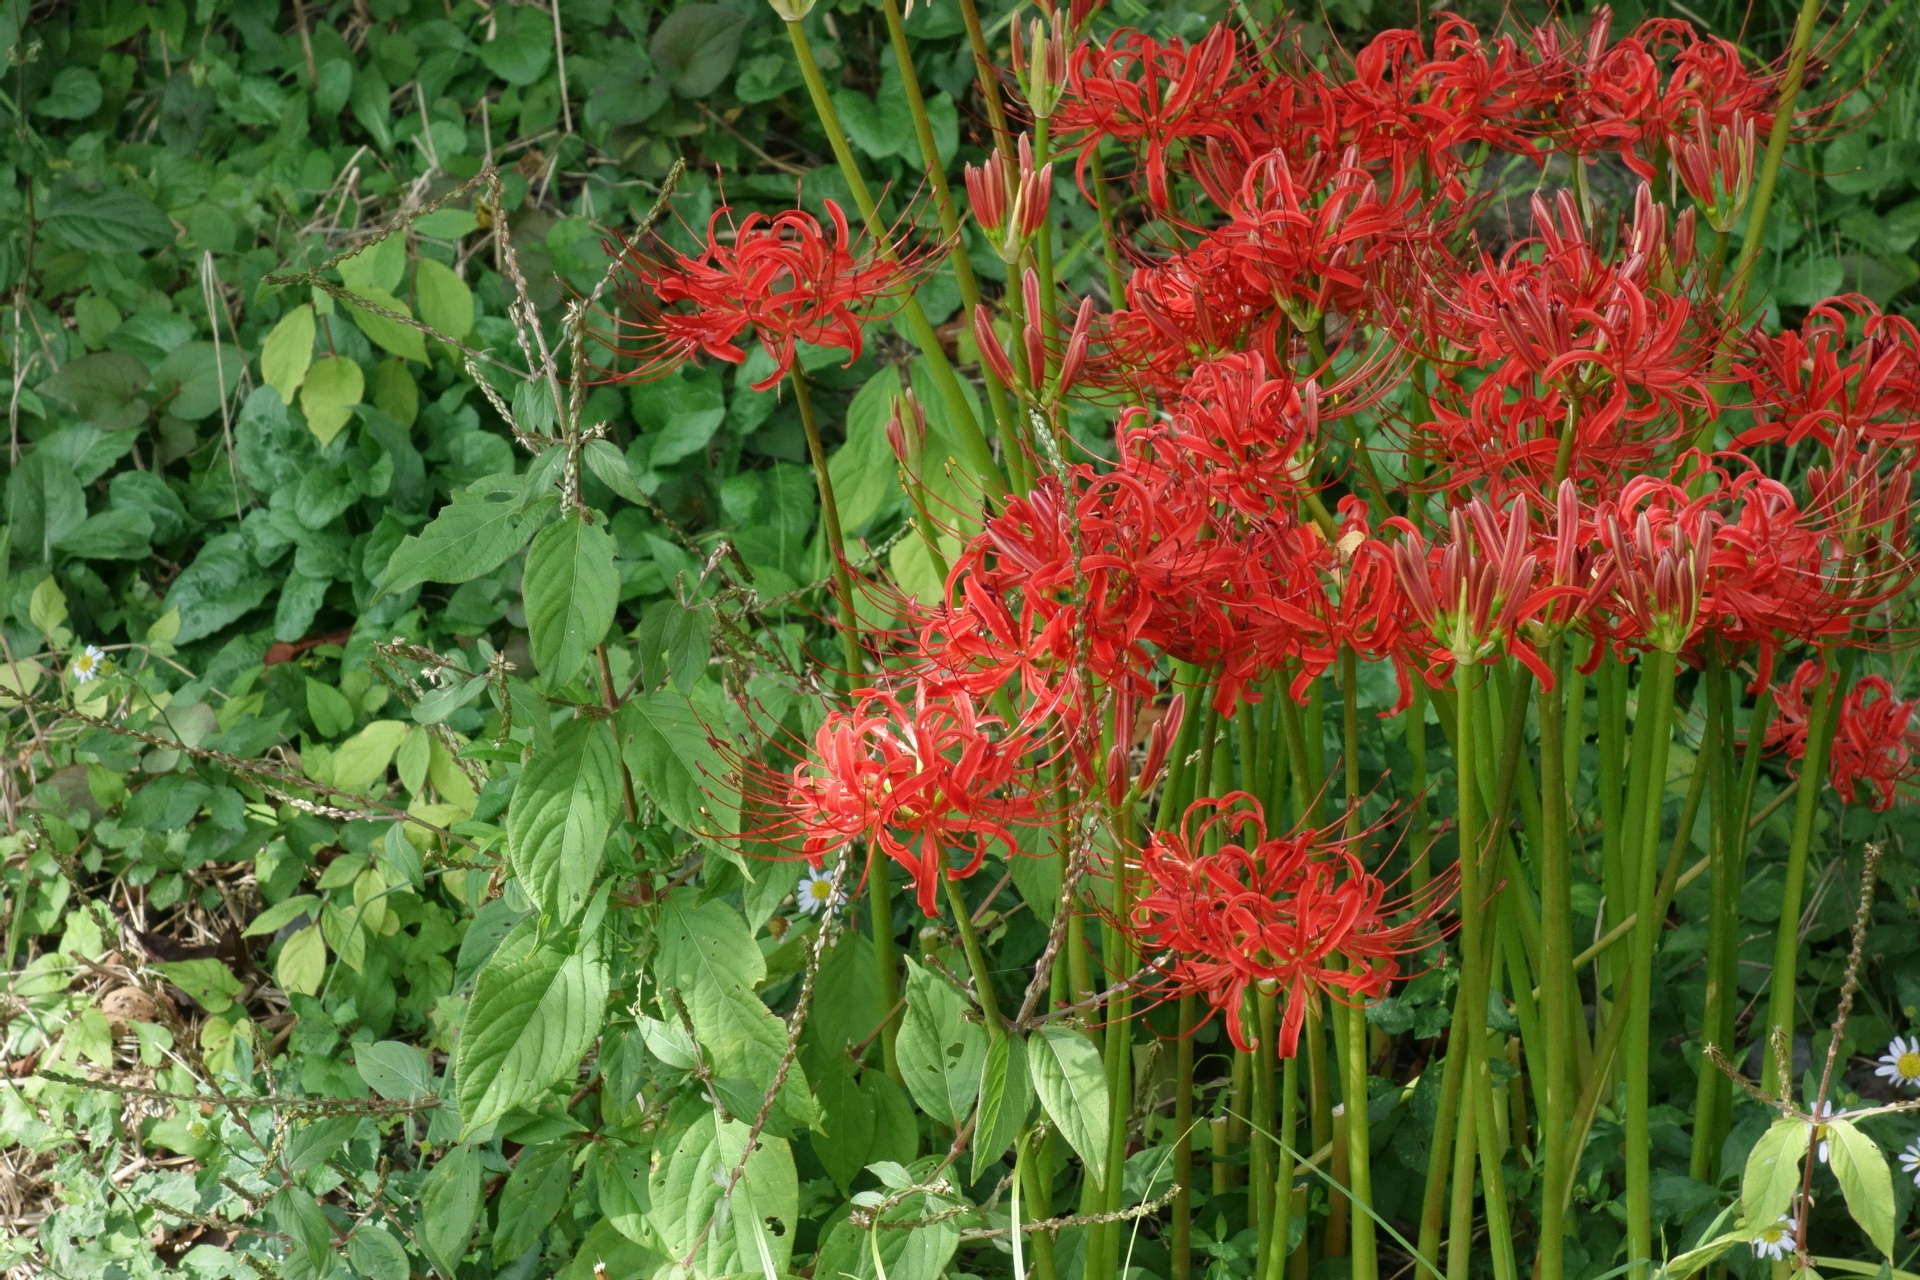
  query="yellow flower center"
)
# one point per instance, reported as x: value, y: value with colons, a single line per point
x: 1908, y: 1065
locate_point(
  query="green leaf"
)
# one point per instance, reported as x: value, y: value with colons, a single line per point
x: 1072, y: 1086
x: 688, y: 1183
x: 610, y: 465
x: 940, y: 1051
x: 361, y: 761
x: 210, y: 983
x: 847, y: 1120
x: 371, y: 103
x: 521, y: 50
x: 1772, y: 1176
x: 446, y: 224
x: 332, y: 714
x: 222, y: 583
x: 110, y: 535
x: 116, y: 220
x: 864, y: 472
x: 571, y: 587
x: 532, y: 1198
x: 678, y: 414
x: 333, y: 386
x: 280, y: 914
x: 527, y: 1026
x: 485, y: 523
x: 302, y: 965
x: 381, y: 265
x: 374, y: 1253
x: 446, y: 304
x: 562, y: 809
x: 395, y: 393
x: 673, y: 760
x: 401, y: 339
x: 1861, y: 1169
x: 299, y: 1215
x: 695, y: 47
x: 1006, y: 1098
x: 395, y: 1070
x: 74, y: 95
x: 288, y: 351
x: 450, y: 1205
x: 674, y: 642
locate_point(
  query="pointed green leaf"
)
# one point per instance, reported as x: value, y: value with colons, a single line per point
x: 940, y: 1050
x: 528, y: 1025
x: 333, y: 386
x: 1861, y: 1169
x: 563, y: 807
x: 571, y: 587
x: 674, y: 761
x: 1072, y: 1084
x: 446, y: 304
x: 1772, y: 1175
x: 288, y: 351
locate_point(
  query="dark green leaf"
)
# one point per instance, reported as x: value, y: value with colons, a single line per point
x: 571, y: 588
x: 695, y: 47
x: 562, y: 808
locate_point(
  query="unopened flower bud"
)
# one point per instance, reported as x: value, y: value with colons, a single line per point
x: 1076, y: 356
x: 1042, y: 70
x: 1160, y: 740
x: 987, y: 195
x: 992, y: 354
x: 1117, y: 779
x: 792, y: 10
x: 907, y: 430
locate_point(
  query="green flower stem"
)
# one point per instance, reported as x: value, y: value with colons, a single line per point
x: 976, y: 958
x: 1558, y: 998
x: 979, y: 453
x: 1777, y: 1077
x: 1433, y: 1206
x: 1470, y: 1026
x: 1612, y: 737
x: 1043, y: 259
x: 1274, y: 1258
x: 1109, y: 239
x: 1039, y: 1196
x: 988, y: 77
x: 1366, y: 1256
x: 1182, y: 1237
x: 943, y: 199
x: 1419, y: 827
x: 1722, y: 915
x: 1260, y: 1130
x: 1350, y: 739
x: 1645, y: 794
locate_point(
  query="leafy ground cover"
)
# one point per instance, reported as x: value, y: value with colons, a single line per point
x: 396, y: 690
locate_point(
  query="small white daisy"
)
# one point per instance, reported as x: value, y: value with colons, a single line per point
x: 816, y: 892
x: 1776, y: 1241
x: 1821, y: 1113
x: 1910, y: 1161
x: 87, y: 664
x: 1901, y: 1062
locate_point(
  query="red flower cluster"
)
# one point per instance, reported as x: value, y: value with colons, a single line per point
x: 1875, y: 739
x: 1295, y: 915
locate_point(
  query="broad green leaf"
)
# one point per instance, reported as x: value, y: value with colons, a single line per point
x: 450, y: 1205
x: 521, y: 50
x: 940, y: 1050
x: 381, y: 265
x: 392, y: 335
x: 687, y: 1186
x: 446, y: 224
x: 1772, y: 1176
x: 281, y: 914
x: 395, y: 393
x: 223, y: 582
x: 705, y: 945
x: 847, y: 1120
x: 374, y: 1253
x: 117, y: 220
x: 297, y: 1214
x: 395, y: 1070
x: 302, y: 965
x: 288, y: 351
x: 866, y: 479
x: 333, y: 386
x: 332, y: 714
x: 110, y: 535
x: 535, y: 1190
x: 73, y: 95
x: 210, y: 983
x: 563, y: 806
x: 571, y: 588
x: 673, y: 760
x: 1072, y: 1086
x: 446, y: 304
x: 485, y: 523
x: 362, y: 760
x: 1861, y: 1169
x: 674, y: 643
x: 1006, y: 1098
x: 610, y: 465
x: 695, y: 47
x: 527, y: 1026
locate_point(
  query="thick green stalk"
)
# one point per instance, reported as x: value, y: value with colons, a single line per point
x: 1182, y: 1240
x: 1350, y: 737
x: 1433, y: 1205
x: 1722, y: 915
x: 1366, y: 1254
x: 976, y: 958
x: 1042, y: 1209
x: 1656, y: 709
x: 1419, y: 839
x: 1612, y: 736
x: 1260, y: 1131
x: 1274, y: 1261
x: 979, y: 454
x: 1777, y: 1076
x: 1471, y: 1026
x: 1557, y: 997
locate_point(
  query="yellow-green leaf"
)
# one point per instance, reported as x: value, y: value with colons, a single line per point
x: 1861, y: 1170
x: 401, y: 339
x: 47, y: 609
x: 287, y: 352
x: 303, y: 962
x: 445, y: 302
x: 395, y: 393
x: 378, y: 266
x: 362, y: 759
x: 333, y: 387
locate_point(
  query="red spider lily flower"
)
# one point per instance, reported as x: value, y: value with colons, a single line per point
x: 1010, y: 223
x: 1156, y: 97
x: 1247, y: 437
x: 781, y: 281
x: 1874, y: 736
x: 1816, y: 382
x: 921, y: 783
x: 1475, y: 590
x: 1296, y: 914
x: 1660, y: 542
x: 1717, y: 169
